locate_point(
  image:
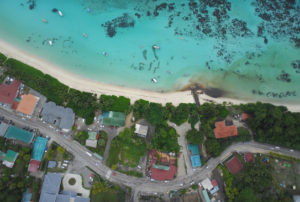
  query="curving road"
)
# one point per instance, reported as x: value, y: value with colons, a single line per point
x: 140, y: 183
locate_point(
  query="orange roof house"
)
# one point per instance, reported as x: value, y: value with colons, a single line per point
x: 245, y: 116
x: 27, y: 104
x: 223, y: 131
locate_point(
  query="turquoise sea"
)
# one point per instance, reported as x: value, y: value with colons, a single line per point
x: 247, y: 49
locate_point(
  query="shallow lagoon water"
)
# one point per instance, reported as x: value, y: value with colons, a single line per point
x: 248, y: 49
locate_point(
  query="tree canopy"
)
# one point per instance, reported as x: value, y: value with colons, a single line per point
x: 195, y: 137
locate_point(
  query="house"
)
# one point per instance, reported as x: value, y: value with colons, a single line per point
x: 223, y: 131
x: 244, y: 117
x: 50, y: 191
x: 249, y: 157
x: 207, y: 184
x: 51, y: 164
x: 10, y: 158
x: 27, y: 104
x: 61, y: 117
x: 141, y: 130
x: 193, y: 148
x: 27, y: 195
x: 206, y: 197
x: 39, y: 145
x: 234, y: 165
x: 19, y: 134
x: 215, y: 187
x: 9, y: 90
x: 196, y: 162
x: 92, y: 140
x: 112, y: 118
x: 3, y: 129
x: 162, y: 172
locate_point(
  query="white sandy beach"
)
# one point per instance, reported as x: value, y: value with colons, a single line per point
x: 84, y: 84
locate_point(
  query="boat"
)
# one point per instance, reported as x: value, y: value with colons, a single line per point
x: 169, y: 72
x: 88, y: 10
x: 185, y: 75
x: 84, y: 35
x: 50, y: 42
x: 104, y: 53
x: 45, y: 20
x: 156, y: 47
x: 60, y: 13
x: 141, y: 46
x: 154, y: 80
x: 181, y: 38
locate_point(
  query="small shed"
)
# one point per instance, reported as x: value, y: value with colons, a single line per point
x: 141, y: 130
x: 51, y: 164
x: 207, y: 184
x: 91, y: 143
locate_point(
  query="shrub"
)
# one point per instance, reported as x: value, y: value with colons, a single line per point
x: 183, y: 192
x: 194, y: 187
x: 61, y: 150
x: 89, y: 120
x: 101, y: 142
x: 114, y: 167
x: 25, y: 149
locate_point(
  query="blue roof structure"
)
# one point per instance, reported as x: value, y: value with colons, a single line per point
x: 39, y: 146
x: 194, y: 149
x: 26, y: 196
x: 195, y: 161
x: 207, y: 199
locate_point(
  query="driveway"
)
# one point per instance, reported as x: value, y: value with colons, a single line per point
x: 182, y: 130
x: 181, y: 166
x: 77, y: 187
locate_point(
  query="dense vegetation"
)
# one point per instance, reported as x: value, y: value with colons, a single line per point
x: 194, y: 136
x: 2, y: 58
x: 128, y: 147
x: 254, y: 183
x: 114, y: 103
x: 273, y: 124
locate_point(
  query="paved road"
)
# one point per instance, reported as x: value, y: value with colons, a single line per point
x: 142, y: 183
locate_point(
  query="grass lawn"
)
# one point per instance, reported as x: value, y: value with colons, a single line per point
x: 18, y: 167
x: 127, y: 154
x: 110, y: 196
x: 287, y: 176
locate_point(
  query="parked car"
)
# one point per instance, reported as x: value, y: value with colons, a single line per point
x: 23, y: 118
x: 245, y: 142
x: 192, y: 183
x: 199, y: 184
x: 194, y: 170
x: 46, y: 149
x: 92, y: 175
x: 291, y: 150
x: 166, y: 180
x: 49, y: 138
x: 31, y: 130
x: 277, y: 147
x: 1, y: 119
x: 91, y: 179
x: 62, y: 167
x: 51, y: 126
x: 89, y: 129
x: 181, y: 184
x: 83, y: 120
x: 207, y: 166
x: 152, y: 179
x: 114, y: 174
x: 97, y: 164
x: 272, y: 148
x: 66, y: 161
x: 27, y: 128
x: 90, y: 183
x: 139, y: 167
x: 56, y: 129
x: 44, y: 122
x: 24, y: 127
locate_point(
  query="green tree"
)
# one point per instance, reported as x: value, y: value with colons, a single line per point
x: 195, y: 137
x: 121, y: 195
x: 223, y: 112
x: 27, y: 157
x: 61, y: 150
x: 183, y: 192
x: 50, y: 154
x: 194, y: 187
x: 21, y: 153
x: 114, y: 167
x: 25, y: 149
x: 213, y: 147
x: 74, y: 128
x: 246, y: 195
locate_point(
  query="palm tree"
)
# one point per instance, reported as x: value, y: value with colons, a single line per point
x: 194, y: 113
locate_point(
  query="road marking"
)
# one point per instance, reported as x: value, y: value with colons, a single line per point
x: 108, y: 174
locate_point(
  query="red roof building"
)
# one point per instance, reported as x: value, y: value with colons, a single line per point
x: 162, y: 174
x: 172, y: 162
x: 34, y: 165
x: 245, y: 116
x: 164, y: 160
x: 15, y: 105
x: 249, y: 157
x: 8, y: 91
x: 214, y: 183
x: 152, y: 152
x: 223, y: 131
x: 234, y: 165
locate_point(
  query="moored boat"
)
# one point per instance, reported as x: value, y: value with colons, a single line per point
x: 156, y: 47
x: 60, y: 13
x: 169, y: 72
x: 45, y: 20
x: 50, y: 42
x: 185, y: 75
x: 154, y: 80
x: 88, y: 10
x: 84, y: 35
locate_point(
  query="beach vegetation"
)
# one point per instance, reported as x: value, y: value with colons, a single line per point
x: 126, y: 149
x: 181, y: 114
x: 164, y: 139
x: 194, y: 116
x: 114, y: 103
x: 155, y: 113
x: 2, y: 58
x: 140, y: 108
x: 194, y: 136
x: 223, y: 112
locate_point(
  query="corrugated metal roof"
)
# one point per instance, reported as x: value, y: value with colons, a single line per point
x: 39, y: 146
x: 51, y: 164
x: 98, y: 156
x: 26, y: 196
x: 50, y: 187
x: 3, y: 128
x: 161, y: 167
x: 18, y: 133
x: 91, y: 143
x: 196, y: 162
x: 140, y: 129
x: 92, y: 135
x: 10, y: 155
x: 9, y: 92
x: 207, y: 199
x: 115, y: 119
x: 193, y: 148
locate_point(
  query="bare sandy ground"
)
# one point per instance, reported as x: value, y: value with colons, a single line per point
x: 84, y: 84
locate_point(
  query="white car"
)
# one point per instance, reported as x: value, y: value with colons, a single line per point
x: 51, y: 126
x: 272, y: 148
x: 97, y: 164
x: 23, y: 118
x: 28, y: 116
x: 89, y: 129
x: 56, y: 129
x: 192, y: 183
x: 277, y: 147
x: 62, y: 167
x: 44, y: 122
x: 181, y: 184
x: 152, y: 179
x: 167, y: 181
x: 66, y: 161
x: 291, y: 150
x: 91, y: 179
x: 200, y: 184
x: 207, y: 167
x: 194, y: 170
x: 83, y: 120
x: 139, y: 167
x: 155, y: 193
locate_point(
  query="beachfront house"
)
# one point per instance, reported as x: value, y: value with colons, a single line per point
x: 225, y: 129
x: 27, y: 104
x: 10, y: 158
x: 9, y: 90
x: 141, y: 130
x: 59, y: 116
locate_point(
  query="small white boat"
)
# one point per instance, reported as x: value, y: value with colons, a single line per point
x: 84, y: 35
x: 60, y: 13
x: 50, y: 42
x: 156, y: 47
x: 169, y: 72
x: 154, y: 80
x: 88, y: 10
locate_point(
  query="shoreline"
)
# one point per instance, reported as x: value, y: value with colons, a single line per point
x: 83, y: 84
